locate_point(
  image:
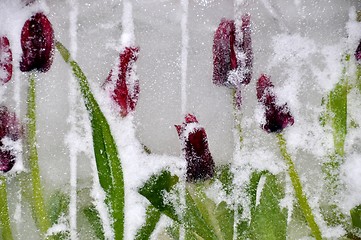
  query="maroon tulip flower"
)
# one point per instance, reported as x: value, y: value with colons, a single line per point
x: 232, y: 54
x: 37, y: 43
x: 125, y: 83
x: 277, y: 117
x: 358, y: 52
x: 6, y: 58
x: 9, y: 128
x: 200, y: 165
x: 224, y: 56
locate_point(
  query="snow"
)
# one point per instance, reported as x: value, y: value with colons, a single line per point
x: 300, y: 44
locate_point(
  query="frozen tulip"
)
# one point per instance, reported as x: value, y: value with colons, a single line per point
x: 277, y: 117
x: 358, y: 52
x: 9, y: 128
x: 124, y: 83
x: 224, y: 56
x: 37, y: 43
x: 200, y: 165
x: 6, y: 58
x: 232, y: 53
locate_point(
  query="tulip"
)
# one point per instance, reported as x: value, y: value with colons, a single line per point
x: 200, y: 165
x: 232, y: 53
x: 277, y: 117
x: 358, y: 52
x: 6, y: 58
x: 9, y: 128
x: 37, y: 43
x: 125, y: 83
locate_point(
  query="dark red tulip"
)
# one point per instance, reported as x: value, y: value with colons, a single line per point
x: 6, y: 58
x: 9, y: 128
x: 246, y: 47
x: 37, y: 43
x: 277, y: 117
x: 224, y: 56
x: 358, y: 52
x: 232, y: 54
x: 200, y: 165
x: 125, y: 85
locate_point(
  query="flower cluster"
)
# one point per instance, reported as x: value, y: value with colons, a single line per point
x: 37, y: 43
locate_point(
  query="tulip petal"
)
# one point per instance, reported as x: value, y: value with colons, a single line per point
x: 126, y: 84
x: 277, y: 117
x: 6, y: 58
x: 200, y: 164
x: 37, y: 43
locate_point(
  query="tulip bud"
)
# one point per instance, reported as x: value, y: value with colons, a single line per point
x: 232, y: 53
x: 9, y: 128
x: 124, y: 81
x: 277, y: 117
x: 358, y: 52
x: 200, y: 165
x: 37, y: 43
x: 6, y: 58
x: 224, y: 56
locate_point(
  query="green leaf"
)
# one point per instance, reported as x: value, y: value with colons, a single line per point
x: 93, y: 217
x: 58, y: 204
x: 156, y: 187
x: 106, y: 154
x: 225, y: 218
x: 199, y: 214
x: 225, y: 176
x: 152, y: 218
x: 356, y: 216
x: 269, y: 220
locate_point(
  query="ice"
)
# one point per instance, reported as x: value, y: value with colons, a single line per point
x: 300, y: 44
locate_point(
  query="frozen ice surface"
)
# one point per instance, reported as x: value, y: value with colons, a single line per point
x: 298, y: 43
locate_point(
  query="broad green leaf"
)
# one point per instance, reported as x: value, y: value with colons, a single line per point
x: 106, y: 154
x: 225, y: 218
x: 269, y: 220
x: 154, y: 190
x: 225, y: 176
x: 151, y: 220
x: 93, y: 217
x: 356, y: 216
x: 58, y: 204
x: 199, y: 214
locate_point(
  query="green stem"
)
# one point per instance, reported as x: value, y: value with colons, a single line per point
x: 38, y: 206
x: 358, y: 77
x: 296, y: 182
x: 4, y: 212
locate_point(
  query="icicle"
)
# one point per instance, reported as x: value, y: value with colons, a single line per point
x: 74, y: 151
x: 184, y: 56
x: 184, y: 62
